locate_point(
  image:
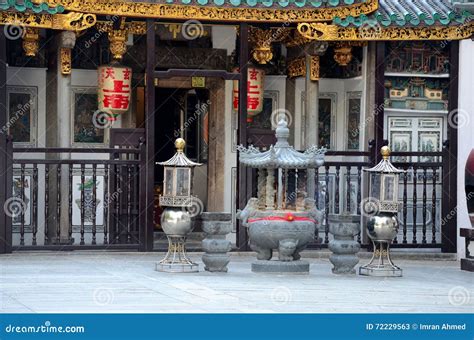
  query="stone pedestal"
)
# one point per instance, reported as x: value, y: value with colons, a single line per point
x: 344, y: 248
x: 281, y: 267
x: 216, y: 226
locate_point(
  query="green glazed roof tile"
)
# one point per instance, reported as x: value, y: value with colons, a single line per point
x: 411, y: 13
x: 28, y: 5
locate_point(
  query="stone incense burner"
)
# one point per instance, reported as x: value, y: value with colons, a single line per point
x: 282, y: 217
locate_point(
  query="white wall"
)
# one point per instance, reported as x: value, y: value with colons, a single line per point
x: 340, y: 88
x: 465, y: 132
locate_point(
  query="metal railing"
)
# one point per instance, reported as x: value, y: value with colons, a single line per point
x: 76, y: 198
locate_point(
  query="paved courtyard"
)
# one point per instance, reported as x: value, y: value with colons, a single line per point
x: 127, y: 282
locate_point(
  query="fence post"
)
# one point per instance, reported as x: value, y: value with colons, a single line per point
x: 142, y: 203
x: 5, y: 154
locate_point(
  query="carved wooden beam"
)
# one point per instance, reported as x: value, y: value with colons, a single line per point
x: 69, y: 22
x: 328, y: 32
x: 235, y: 14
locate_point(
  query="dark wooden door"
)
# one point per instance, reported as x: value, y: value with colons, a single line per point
x: 123, y: 187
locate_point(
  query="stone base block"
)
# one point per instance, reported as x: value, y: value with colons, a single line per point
x: 387, y: 271
x: 216, y: 262
x: 281, y: 267
x: 467, y: 264
x: 177, y: 268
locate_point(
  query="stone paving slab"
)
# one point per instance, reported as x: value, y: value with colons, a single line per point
x: 107, y: 282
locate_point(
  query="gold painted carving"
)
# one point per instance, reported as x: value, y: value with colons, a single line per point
x: 164, y: 11
x: 118, y: 38
x: 262, y: 40
x: 134, y: 27
x: 297, y: 68
x: 65, y: 60
x: 69, y: 22
x: 117, y: 43
x: 314, y: 69
x: 31, y: 41
x: 320, y: 31
x: 343, y: 54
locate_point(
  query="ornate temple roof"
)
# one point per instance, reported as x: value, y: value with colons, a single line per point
x: 179, y: 159
x: 28, y: 5
x: 405, y: 13
x: 281, y: 155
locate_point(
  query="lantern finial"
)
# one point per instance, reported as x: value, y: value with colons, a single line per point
x: 180, y: 143
x: 385, y: 152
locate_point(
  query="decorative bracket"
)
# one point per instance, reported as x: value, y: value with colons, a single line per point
x: 262, y: 41
x: 31, y: 41
x: 297, y: 68
x: 65, y: 60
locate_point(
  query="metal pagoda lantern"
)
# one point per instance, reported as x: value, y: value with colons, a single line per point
x: 176, y: 218
x: 283, y: 216
x: 382, y: 208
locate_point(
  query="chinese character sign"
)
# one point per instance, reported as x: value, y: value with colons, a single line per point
x: 254, y: 92
x: 114, y: 89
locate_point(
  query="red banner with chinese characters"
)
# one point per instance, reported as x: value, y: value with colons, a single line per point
x: 254, y: 92
x: 115, y: 88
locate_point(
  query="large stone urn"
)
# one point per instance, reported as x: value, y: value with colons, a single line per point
x: 216, y: 227
x: 282, y: 217
x: 344, y: 248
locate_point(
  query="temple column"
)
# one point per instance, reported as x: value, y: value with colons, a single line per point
x: 312, y: 53
x: 58, y: 118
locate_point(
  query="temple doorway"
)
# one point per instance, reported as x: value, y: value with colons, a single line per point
x: 184, y: 113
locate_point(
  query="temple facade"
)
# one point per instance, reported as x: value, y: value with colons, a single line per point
x: 94, y: 93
